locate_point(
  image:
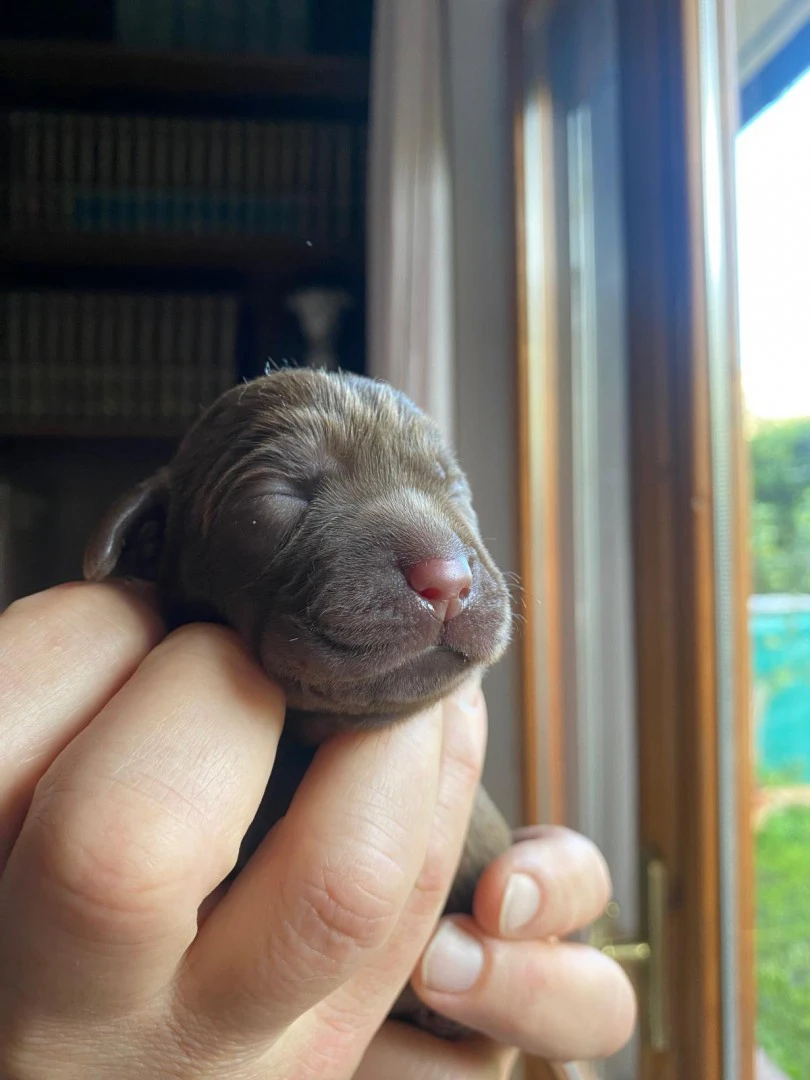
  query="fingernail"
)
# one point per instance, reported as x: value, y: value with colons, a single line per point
x: 453, y: 961
x: 521, y: 902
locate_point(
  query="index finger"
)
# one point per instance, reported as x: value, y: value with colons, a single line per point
x: 325, y: 890
x: 64, y: 653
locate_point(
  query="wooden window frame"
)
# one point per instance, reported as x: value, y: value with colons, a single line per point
x: 674, y: 524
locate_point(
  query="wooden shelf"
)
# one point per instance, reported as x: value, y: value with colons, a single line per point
x: 92, y: 429
x: 269, y: 256
x: 107, y: 67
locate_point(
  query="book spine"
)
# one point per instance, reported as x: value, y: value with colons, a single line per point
x: 305, y: 183
x: 206, y: 385
x: 259, y: 15
x: 70, y: 381
x: 33, y: 181
x: 143, y: 195
x: 130, y: 25
x: 161, y: 195
x: 185, y: 356
x: 7, y: 558
x: 162, y: 17
x: 228, y: 325
x: 216, y: 195
x: 84, y: 209
x: 196, y: 177
x: 270, y: 202
x: 16, y: 354
x: 124, y: 172
x: 224, y: 26
x: 108, y: 398
x: 343, y: 183
x: 361, y: 173
x: 289, y: 140
x: 16, y: 174
x: 5, y: 356
x: 253, y: 149
x: 33, y: 384
x: 324, y: 181
x: 192, y: 25
x: 146, y: 336
x: 87, y: 360
x: 68, y: 171
x: 293, y: 36
x: 165, y: 355
x: 50, y: 170
x: 107, y: 193
x: 234, y: 182
x: 125, y: 350
x: 54, y: 325
x: 179, y: 175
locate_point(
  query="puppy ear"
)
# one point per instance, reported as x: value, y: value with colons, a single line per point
x: 128, y: 540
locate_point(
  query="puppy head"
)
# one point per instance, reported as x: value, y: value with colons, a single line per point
x: 324, y: 518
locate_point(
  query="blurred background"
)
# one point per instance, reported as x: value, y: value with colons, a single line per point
x: 492, y: 204
x: 183, y: 203
x: 772, y: 173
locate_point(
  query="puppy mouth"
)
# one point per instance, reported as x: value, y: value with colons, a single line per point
x: 405, y: 653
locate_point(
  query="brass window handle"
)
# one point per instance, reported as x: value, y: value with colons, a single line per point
x: 649, y: 955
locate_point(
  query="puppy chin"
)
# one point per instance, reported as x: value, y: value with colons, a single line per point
x: 365, y: 689
x: 317, y: 714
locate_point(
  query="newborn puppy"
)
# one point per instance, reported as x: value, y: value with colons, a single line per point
x: 323, y: 517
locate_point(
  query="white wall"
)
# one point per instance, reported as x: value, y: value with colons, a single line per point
x: 480, y: 132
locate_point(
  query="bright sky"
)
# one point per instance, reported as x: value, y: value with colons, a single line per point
x: 773, y: 240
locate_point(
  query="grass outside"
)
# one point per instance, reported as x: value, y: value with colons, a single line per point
x: 783, y: 939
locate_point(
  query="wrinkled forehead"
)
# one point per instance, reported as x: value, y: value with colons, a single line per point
x: 355, y: 426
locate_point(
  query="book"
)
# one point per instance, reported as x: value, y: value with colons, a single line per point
x: 99, y: 358
x: 130, y: 25
x: 106, y: 219
x: 68, y: 174
x: 260, y: 18
x: 292, y: 35
x: 178, y: 175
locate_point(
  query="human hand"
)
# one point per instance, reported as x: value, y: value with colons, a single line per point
x: 132, y: 765
x: 533, y: 992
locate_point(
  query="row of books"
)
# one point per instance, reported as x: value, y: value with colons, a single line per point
x: 99, y: 173
x: 107, y: 356
x: 249, y: 26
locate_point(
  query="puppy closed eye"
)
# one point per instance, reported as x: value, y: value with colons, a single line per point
x: 300, y: 490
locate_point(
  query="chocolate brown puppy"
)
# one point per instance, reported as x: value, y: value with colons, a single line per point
x: 323, y: 517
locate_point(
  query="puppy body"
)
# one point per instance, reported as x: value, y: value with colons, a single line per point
x: 295, y: 511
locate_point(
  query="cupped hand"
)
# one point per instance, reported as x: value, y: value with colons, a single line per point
x: 132, y: 765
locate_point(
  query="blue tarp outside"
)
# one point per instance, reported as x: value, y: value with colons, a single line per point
x: 780, y: 655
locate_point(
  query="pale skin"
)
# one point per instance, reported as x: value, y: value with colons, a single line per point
x: 132, y: 765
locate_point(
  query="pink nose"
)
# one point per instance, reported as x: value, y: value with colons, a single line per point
x: 444, y: 583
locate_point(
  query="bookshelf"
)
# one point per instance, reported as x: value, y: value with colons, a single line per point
x: 89, y: 67
x: 276, y: 257
x: 156, y: 172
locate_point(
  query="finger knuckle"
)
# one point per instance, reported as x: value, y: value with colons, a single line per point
x: 101, y: 863
x: 342, y: 912
x: 464, y: 755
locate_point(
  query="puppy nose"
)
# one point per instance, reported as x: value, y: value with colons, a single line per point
x: 444, y: 583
